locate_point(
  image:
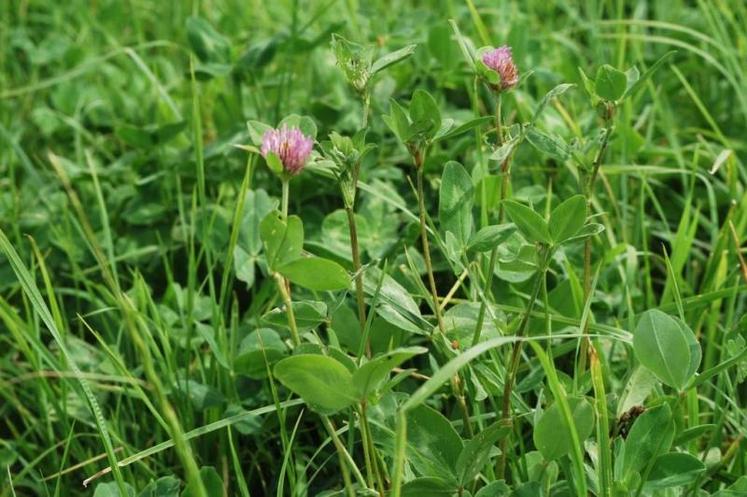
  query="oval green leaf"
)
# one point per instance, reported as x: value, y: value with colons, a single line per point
x: 552, y: 435
x: 532, y: 225
x: 322, y: 382
x: 567, y: 219
x: 316, y: 273
x: 662, y: 345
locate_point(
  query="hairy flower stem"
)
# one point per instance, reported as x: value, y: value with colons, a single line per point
x: 513, y: 366
x: 282, y: 282
x: 589, y: 191
x: 355, y: 249
x: 494, y: 252
x: 456, y: 383
x: 284, y: 205
x: 426, y: 247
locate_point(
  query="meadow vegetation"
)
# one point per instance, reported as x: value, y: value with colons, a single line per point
x: 372, y: 248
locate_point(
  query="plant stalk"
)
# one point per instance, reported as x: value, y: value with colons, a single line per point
x: 359, y: 296
x: 513, y: 366
x: 587, y: 243
x: 426, y: 247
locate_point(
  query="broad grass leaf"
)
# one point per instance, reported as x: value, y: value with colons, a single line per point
x: 531, y: 224
x: 322, y: 382
x: 316, y: 273
x: 663, y: 345
x: 651, y: 435
x: 674, y: 470
x: 551, y: 434
x: 567, y: 219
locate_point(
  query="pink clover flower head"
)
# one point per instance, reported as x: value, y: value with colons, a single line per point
x: 290, y: 145
x: 501, y: 61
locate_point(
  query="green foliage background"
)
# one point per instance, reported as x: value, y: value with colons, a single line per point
x: 135, y: 218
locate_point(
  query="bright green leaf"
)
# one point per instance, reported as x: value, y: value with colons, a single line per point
x: 370, y: 376
x: 283, y: 238
x: 552, y: 434
x: 321, y: 381
x: 663, y: 345
x: 531, y: 224
x: 567, y: 218
x: 316, y: 273
x: 674, y: 470
x: 610, y: 83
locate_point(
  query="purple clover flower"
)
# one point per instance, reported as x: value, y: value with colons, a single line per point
x: 501, y: 61
x: 290, y: 145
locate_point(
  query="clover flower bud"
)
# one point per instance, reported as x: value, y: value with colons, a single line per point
x: 290, y: 145
x: 501, y: 61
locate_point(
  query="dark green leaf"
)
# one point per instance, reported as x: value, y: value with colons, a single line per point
x: 531, y: 224
x: 258, y: 348
x: 433, y: 443
x: 651, y: 435
x: 554, y: 146
x: 456, y: 197
x: 648, y: 73
x: 567, y: 218
x: 316, y: 273
x: 610, y: 83
x: 663, y: 345
x: 166, y: 486
x: 674, y: 470
x: 555, y: 92
x: 476, y: 452
x: 552, y: 434
x: 283, y: 239
x: 490, y: 237
x: 210, y: 479
x: 424, y: 112
x: 420, y: 487
x: 321, y: 381
x: 206, y: 42
x: 372, y: 374
x: 392, y: 58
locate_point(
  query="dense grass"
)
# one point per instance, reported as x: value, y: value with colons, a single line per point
x: 135, y: 277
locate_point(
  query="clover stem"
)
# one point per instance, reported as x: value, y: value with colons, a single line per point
x: 587, y: 243
x: 284, y: 205
x: 513, y: 366
x: 426, y: 247
x: 355, y: 249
